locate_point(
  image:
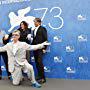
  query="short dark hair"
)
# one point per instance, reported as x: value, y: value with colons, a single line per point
x: 38, y: 20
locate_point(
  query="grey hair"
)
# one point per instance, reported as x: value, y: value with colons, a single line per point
x: 16, y: 31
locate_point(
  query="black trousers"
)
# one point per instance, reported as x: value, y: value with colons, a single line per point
x: 5, y: 58
x: 38, y: 55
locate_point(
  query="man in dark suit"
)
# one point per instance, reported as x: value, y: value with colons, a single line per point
x: 39, y: 36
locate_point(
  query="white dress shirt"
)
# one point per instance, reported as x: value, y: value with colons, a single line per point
x: 36, y: 30
x: 15, y: 45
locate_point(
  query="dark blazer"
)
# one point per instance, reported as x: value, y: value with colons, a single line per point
x: 41, y: 36
x: 23, y: 35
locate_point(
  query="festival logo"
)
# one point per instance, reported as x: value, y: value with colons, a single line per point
x: 15, y: 20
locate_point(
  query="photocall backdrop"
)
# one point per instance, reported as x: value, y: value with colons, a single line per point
x: 68, y: 26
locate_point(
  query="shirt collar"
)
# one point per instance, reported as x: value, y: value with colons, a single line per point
x: 37, y: 27
x: 16, y: 43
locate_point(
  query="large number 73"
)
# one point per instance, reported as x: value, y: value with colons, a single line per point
x: 55, y: 16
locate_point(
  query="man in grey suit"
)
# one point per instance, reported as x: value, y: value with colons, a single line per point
x: 17, y: 62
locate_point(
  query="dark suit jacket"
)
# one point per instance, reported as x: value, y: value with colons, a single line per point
x: 41, y: 36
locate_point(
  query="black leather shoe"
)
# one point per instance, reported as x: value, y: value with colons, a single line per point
x: 42, y: 81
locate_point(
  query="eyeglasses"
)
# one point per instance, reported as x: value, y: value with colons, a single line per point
x: 15, y: 35
x: 34, y: 21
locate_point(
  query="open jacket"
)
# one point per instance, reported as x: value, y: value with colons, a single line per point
x: 19, y: 57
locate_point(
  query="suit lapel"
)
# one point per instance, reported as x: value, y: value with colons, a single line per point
x: 11, y: 48
x: 37, y: 32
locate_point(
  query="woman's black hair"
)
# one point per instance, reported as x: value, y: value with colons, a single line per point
x: 25, y: 24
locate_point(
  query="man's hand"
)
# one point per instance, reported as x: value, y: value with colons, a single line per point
x: 6, y: 37
x: 46, y: 43
x: 44, y: 51
x: 42, y: 45
x: 29, y: 36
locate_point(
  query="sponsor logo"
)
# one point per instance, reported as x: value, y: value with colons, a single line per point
x: 46, y: 69
x: 57, y: 39
x: 58, y: 59
x: 70, y: 49
x: 82, y: 38
x: 81, y: 18
x: 83, y: 59
x: 70, y: 70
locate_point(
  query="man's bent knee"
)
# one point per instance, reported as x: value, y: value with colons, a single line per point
x: 15, y: 83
